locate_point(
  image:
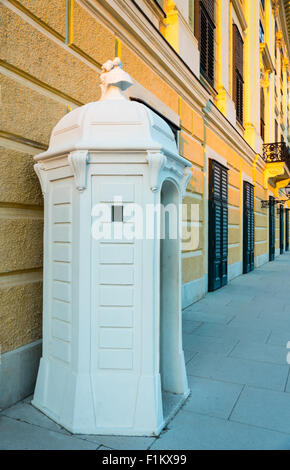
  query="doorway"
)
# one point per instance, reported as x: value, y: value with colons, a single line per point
x: 286, y: 229
x: 218, y: 226
x: 271, y: 228
x: 248, y: 228
x: 282, y: 234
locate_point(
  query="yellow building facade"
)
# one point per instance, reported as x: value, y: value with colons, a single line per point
x: 216, y: 70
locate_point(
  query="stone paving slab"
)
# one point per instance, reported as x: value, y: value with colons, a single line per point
x: 17, y: 435
x: 118, y: 442
x: 188, y: 355
x: 189, y: 326
x: 212, y: 397
x: 212, y: 315
x: 209, y: 344
x: 259, y: 352
x: 264, y: 408
x: 25, y: 412
x: 193, y: 431
x: 241, y: 371
x: 233, y: 332
x: 279, y: 337
x: 262, y: 324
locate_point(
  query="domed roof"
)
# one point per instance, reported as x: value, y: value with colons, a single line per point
x: 111, y: 124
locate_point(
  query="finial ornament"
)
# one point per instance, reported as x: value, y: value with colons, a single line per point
x: 114, y: 80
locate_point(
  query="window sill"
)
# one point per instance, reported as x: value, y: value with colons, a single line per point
x: 240, y: 127
x: 212, y: 91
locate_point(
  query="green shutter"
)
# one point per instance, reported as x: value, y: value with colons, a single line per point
x: 248, y: 228
x: 271, y: 228
x: 218, y: 226
x: 282, y: 234
x: 287, y: 229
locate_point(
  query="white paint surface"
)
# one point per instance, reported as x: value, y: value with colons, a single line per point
x: 103, y: 369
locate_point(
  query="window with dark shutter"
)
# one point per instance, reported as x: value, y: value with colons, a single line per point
x: 282, y: 234
x: 238, y: 73
x: 262, y: 112
x: 204, y: 31
x: 248, y: 228
x: 276, y: 131
x: 281, y: 61
x: 287, y: 229
x: 218, y: 225
x: 272, y: 228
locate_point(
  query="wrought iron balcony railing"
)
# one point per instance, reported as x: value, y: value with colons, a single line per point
x: 276, y: 152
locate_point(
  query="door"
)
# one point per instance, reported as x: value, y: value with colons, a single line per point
x: 248, y: 228
x: 271, y: 228
x: 281, y: 213
x: 218, y: 226
x: 287, y: 230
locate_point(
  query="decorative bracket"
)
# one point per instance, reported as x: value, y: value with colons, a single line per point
x: 272, y: 170
x: 42, y: 176
x: 156, y: 162
x: 78, y: 161
x: 281, y: 184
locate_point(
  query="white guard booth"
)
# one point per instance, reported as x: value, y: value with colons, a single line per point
x: 112, y: 358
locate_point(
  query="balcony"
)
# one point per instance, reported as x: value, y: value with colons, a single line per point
x: 277, y: 158
x: 276, y: 152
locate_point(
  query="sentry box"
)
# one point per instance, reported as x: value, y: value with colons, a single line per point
x: 112, y: 358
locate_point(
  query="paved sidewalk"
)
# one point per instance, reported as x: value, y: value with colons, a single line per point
x: 235, y: 348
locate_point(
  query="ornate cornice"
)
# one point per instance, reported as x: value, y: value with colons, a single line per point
x: 156, y: 9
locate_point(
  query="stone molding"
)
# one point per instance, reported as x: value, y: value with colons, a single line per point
x: 78, y: 161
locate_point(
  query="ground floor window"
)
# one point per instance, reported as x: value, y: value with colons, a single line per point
x: 218, y: 226
x: 248, y: 228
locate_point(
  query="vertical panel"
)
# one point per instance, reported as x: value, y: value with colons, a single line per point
x: 116, y: 276
x: 60, y: 236
x: 281, y: 213
x: 271, y: 229
x: 248, y: 228
x: 287, y: 230
x: 218, y: 226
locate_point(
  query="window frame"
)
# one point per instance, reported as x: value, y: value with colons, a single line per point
x: 238, y: 74
x: 262, y: 114
x: 204, y: 10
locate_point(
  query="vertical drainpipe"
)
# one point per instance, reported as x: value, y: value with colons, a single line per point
x: 206, y: 111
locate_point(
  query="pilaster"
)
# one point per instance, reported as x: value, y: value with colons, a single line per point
x: 252, y: 76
